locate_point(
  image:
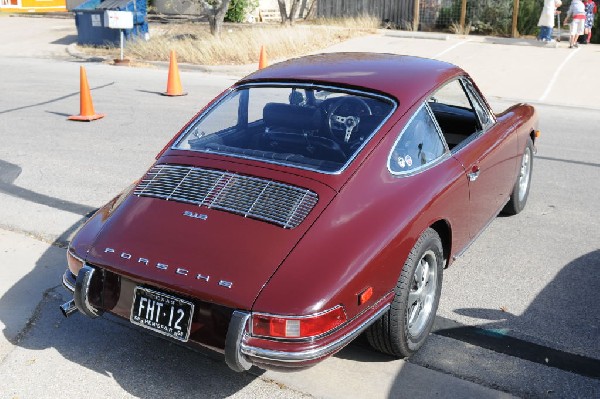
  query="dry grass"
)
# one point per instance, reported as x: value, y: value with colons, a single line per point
x: 458, y: 30
x: 239, y: 44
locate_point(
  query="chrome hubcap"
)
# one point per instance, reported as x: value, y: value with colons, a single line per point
x: 524, y: 174
x: 422, y: 294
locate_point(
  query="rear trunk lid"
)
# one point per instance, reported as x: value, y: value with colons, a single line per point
x: 209, y: 233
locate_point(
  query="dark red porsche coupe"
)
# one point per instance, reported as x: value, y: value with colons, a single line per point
x: 313, y: 200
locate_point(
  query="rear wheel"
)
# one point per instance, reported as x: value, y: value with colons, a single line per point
x: 520, y: 193
x: 403, y: 329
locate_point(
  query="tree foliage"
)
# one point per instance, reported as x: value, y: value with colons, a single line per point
x: 529, y: 14
x: 239, y: 9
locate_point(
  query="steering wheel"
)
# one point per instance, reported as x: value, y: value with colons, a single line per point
x: 344, y: 116
x: 327, y: 148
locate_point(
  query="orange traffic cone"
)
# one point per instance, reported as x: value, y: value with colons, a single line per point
x: 174, y: 83
x: 262, y: 59
x: 86, y: 108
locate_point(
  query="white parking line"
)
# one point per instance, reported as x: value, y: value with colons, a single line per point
x: 451, y: 48
x: 555, y: 76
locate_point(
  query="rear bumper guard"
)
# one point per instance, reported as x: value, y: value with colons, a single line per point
x: 80, y: 290
x: 233, y: 341
x: 239, y: 355
x: 312, y: 354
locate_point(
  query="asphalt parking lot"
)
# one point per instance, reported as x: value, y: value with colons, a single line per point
x: 518, y: 315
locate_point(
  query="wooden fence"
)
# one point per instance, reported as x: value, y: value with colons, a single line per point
x: 399, y: 13
x: 432, y: 14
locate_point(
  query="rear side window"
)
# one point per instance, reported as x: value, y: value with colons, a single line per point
x: 459, y: 112
x: 419, y: 144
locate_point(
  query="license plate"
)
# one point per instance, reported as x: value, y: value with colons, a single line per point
x: 162, y: 313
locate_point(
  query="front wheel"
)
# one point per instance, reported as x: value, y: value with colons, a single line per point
x: 403, y: 329
x: 520, y: 193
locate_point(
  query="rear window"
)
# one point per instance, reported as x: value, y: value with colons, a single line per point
x: 316, y: 128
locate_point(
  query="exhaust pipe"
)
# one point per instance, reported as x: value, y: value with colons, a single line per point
x: 68, y: 308
x: 80, y: 301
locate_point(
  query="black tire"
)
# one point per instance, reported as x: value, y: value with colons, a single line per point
x: 393, y: 333
x: 520, y: 193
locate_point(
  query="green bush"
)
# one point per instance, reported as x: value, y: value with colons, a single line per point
x: 495, y: 17
x: 238, y: 9
x: 449, y: 15
x: 484, y: 16
x: 492, y: 17
x: 529, y: 14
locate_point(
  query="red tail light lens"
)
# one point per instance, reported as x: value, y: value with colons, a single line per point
x: 297, y: 327
x: 75, y: 263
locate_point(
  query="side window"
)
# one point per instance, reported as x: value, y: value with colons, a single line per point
x: 454, y: 113
x: 418, y: 144
x: 453, y: 95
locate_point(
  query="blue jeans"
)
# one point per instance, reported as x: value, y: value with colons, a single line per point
x: 545, y: 33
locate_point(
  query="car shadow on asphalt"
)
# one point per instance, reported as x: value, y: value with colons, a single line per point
x: 66, y: 40
x: 514, y: 358
x: 144, y: 365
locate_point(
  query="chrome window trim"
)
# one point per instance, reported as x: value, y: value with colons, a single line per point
x: 475, y: 97
x: 437, y: 127
x: 428, y: 165
x: 382, y: 97
x: 198, y: 118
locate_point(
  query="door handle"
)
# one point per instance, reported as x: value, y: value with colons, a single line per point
x: 474, y: 173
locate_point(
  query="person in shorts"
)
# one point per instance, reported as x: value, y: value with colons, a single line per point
x: 576, y: 14
x: 590, y: 12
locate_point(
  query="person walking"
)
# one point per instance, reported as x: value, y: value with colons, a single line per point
x: 590, y: 12
x: 577, y: 15
x: 546, y: 21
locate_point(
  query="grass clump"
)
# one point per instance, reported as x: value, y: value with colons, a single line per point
x: 239, y: 44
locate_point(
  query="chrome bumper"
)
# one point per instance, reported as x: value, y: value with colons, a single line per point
x: 68, y: 281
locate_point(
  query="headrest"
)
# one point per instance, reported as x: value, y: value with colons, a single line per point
x: 291, y: 116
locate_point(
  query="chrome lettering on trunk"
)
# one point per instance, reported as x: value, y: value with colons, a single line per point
x: 195, y: 215
x: 165, y: 267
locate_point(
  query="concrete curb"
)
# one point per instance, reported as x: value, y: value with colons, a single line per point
x: 473, y: 38
x: 237, y: 70
x: 414, y: 34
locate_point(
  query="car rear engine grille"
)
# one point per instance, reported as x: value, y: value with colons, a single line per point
x: 261, y: 199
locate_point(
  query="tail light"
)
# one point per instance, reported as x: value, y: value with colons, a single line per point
x: 297, y: 327
x: 74, y: 262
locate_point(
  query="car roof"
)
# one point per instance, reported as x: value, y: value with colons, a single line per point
x: 406, y: 78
